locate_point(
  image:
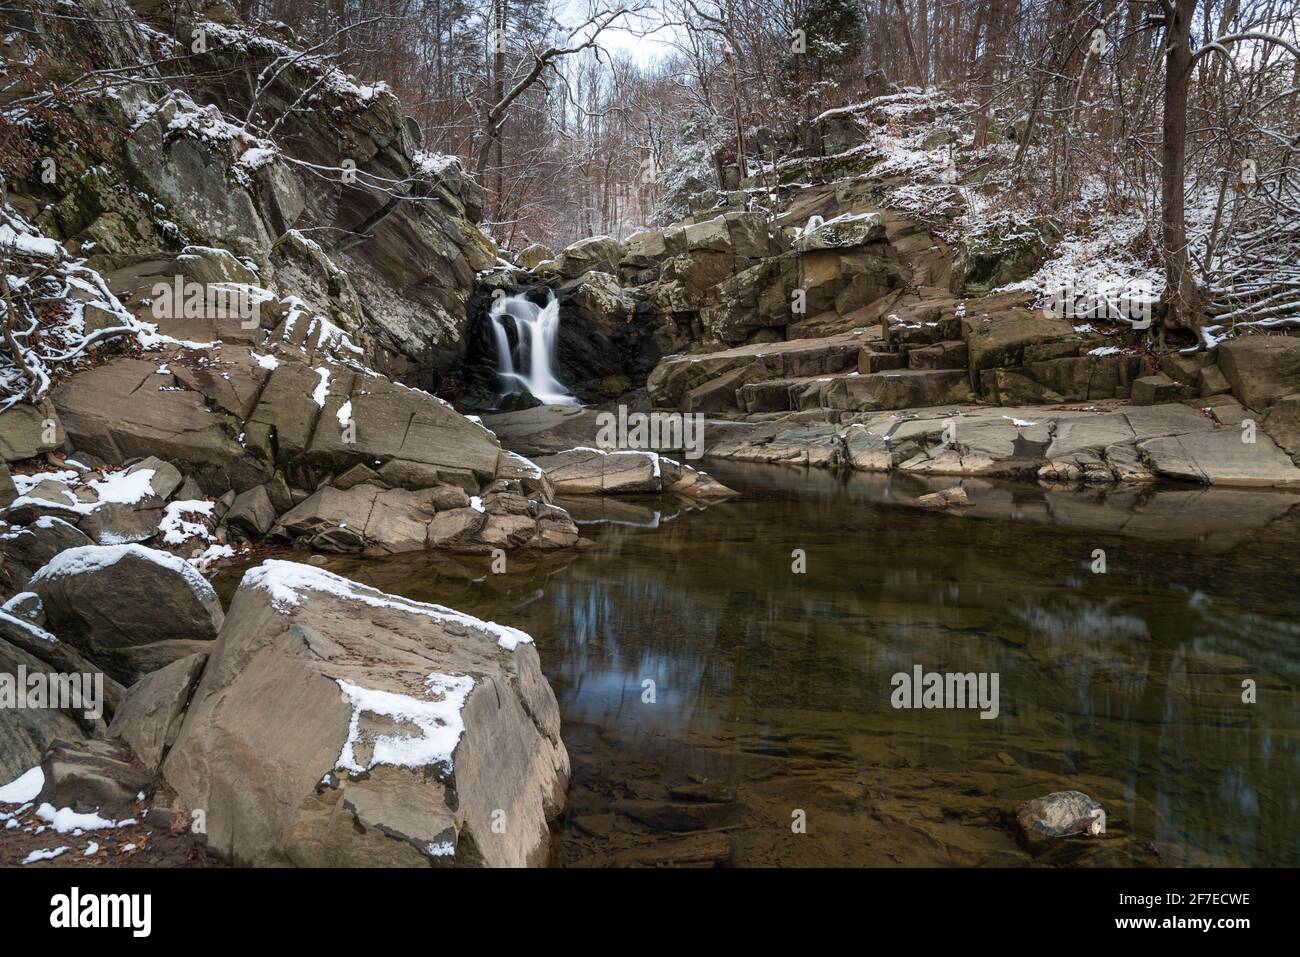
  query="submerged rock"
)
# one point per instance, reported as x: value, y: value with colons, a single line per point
x: 1045, y: 820
x: 954, y: 497
x: 336, y: 725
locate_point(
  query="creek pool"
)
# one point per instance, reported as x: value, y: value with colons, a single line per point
x: 719, y: 705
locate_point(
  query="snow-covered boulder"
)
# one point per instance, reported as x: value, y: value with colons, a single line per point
x: 336, y: 725
x: 128, y: 608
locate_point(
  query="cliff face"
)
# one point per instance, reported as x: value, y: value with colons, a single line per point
x: 143, y: 129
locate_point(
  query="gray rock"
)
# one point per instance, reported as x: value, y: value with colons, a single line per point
x: 252, y: 511
x: 28, y: 548
x: 1261, y: 369
x: 28, y: 430
x: 595, y: 472
x: 8, y: 492
x: 128, y: 608
x: 1042, y: 822
x: 397, y: 732
x: 92, y: 775
x: 149, y: 716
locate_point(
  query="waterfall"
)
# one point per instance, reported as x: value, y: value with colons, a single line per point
x: 536, y: 328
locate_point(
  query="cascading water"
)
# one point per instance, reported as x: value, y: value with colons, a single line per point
x: 537, y: 328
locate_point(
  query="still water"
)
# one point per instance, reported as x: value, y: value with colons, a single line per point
x: 720, y: 706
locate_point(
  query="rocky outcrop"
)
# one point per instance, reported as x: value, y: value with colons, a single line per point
x: 395, y: 246
x: 397, y: 733
x: 1053, y: 445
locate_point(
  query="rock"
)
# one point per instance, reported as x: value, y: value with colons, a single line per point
x: 28, y: 548
x: 1283, y: 424
x: 124, y: 409
x: 25, y: 733
x: 1000, y: 338
x: 116, y: 523
x: 531, y: 256
x: 1261, y: 369
x: 149, y: 716
x: 710, y: 849
x: 128, y: 608
x: 28, y: 430
x: 457, y: 526
x: 985, y: 262
x: 1042, y: 822
x: 1212, y: 381
x: 594, y: 472
x: 1155, y: 389
x: 845, y: 231
x: 164, y: 478
x: 30, y: 637
x: 676, y: 377
x: 252, y: 511
x: 954, y: 497
x: 904, y: 389
x: 92, y: 775
x: 1220, y: 457
x: 681, y: 479
x: 359, y: 475
x: 599, y: 253
x: 8, y: 491
x: 331, y: 519
x: 397, y: 734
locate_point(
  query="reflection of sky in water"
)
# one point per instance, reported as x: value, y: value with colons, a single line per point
x: 1125, y: 676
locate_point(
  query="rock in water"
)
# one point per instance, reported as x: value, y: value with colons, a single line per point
x: 1045, y: 820
x: 954, y: 497
x: 336, y: 725
x: 128, y: 608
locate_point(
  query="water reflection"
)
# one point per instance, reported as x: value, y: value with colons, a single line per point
x: 775, y: 685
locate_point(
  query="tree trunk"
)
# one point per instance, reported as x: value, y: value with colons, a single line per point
x: 1183, y: 307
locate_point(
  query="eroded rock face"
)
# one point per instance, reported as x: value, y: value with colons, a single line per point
x: 128, y: 608
x: 336, y: 725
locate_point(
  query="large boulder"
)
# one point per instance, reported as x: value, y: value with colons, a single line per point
x: 599, y: 253
x: 128, y: 608
x: 336, y: 725
x: 1261, y: 369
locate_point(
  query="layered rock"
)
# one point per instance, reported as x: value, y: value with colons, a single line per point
x: 338, y: 726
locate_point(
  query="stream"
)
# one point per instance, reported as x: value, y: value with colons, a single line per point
x: 769, y: 737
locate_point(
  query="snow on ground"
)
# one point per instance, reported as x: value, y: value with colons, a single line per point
x: 65, y: 820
